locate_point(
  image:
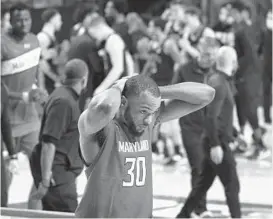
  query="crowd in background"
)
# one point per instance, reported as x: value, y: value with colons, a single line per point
x: 174, y: 47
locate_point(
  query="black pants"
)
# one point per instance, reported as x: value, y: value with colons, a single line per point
x: 195, y: 152
x: 267, y: 93
x: 247, y: 100
x: 228, y: 176
x: 61, y: 198
x: 4, y: 187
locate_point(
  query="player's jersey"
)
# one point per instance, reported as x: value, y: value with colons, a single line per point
x: 120, y: 178
x: 20, y: 61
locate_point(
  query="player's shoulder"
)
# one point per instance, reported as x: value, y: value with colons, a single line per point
x: 115, y: 40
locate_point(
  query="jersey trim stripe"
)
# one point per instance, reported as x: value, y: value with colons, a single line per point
x: 21, y: 63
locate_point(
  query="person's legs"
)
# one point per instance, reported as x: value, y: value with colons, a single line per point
x: 267, y: 94
x: 4, y: 187
x: 196, y: 155
x: 27, y: 144
x: 241, y: 105
x: 229, y: 178
x: 204, y: 182
x: 61, y: 198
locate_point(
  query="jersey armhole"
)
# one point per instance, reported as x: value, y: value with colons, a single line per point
x: 101, y: 138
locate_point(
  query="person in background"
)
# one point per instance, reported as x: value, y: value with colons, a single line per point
x: 56, y: 160
x: 136, y: 26
x: 5, y: 19
x: 247, y: 77
x: 115, y: 15
x: 194, y: 30
x: 266, y: 49
x: 192, y: 125
x: 19, y: 74
x: 223, y: 28
x: 84, y: 47
x: 219, y: 160
x: 7, y: 139
x: 118, y: 61
x: 49, y: 57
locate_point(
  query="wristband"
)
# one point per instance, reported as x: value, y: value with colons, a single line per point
x: 25, y: 97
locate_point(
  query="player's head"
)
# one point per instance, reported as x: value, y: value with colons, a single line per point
x: 207, y: 47
x: 226, y: 58
x: 53, y: 17
x: 75, y: 74
x: 139, y: 103
x: 20, y: 19
x: 5, y: 19
x: 84, y: 14
x: 115, y: 7
x: 96, y: 25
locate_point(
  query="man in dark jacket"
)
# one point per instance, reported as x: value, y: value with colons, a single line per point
x: 192, y: 125
x: 56, y: 160
x: 218, y: 134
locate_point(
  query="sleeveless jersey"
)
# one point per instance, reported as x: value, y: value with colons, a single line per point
x: 20, y: 61
x: 120, y: 178
x: 107, y: 61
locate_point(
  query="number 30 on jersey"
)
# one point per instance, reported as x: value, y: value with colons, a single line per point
x: 137, y: 171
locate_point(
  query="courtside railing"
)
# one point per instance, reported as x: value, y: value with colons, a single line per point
x: 25, y: 213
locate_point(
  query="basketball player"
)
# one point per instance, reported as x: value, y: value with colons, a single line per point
x: 20, y: 55
x: 121, y: 120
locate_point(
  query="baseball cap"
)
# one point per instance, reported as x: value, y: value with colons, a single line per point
x: 74, y: 71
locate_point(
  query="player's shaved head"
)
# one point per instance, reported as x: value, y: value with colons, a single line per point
x: 226, y: 56
x: 135, y: 85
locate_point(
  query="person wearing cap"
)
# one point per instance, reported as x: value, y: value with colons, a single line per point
x: 56, y: 161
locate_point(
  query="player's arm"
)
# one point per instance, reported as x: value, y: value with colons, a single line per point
x: 184, y: 98
x: 101, y: 110
x: 115, y: 48
x: 57, y: 121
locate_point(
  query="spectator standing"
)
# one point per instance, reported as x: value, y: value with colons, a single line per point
x: 247, y: 77
x: 7, y: 139
x: 194, y: 30
x: 52, y: 23
x: 223, y: 29
x: 84, y: 47
x: 115, y: 15
x: 118, y: 61
x: 20, y: 59
x: 56, y: 161
x: 218, y: 134
x: 192, y: 125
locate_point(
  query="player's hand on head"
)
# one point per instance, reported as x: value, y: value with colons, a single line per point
x: 216, y: 154
x: 120, y: 84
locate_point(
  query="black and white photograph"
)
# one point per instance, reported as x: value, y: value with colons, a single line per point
x: 136, y: 109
